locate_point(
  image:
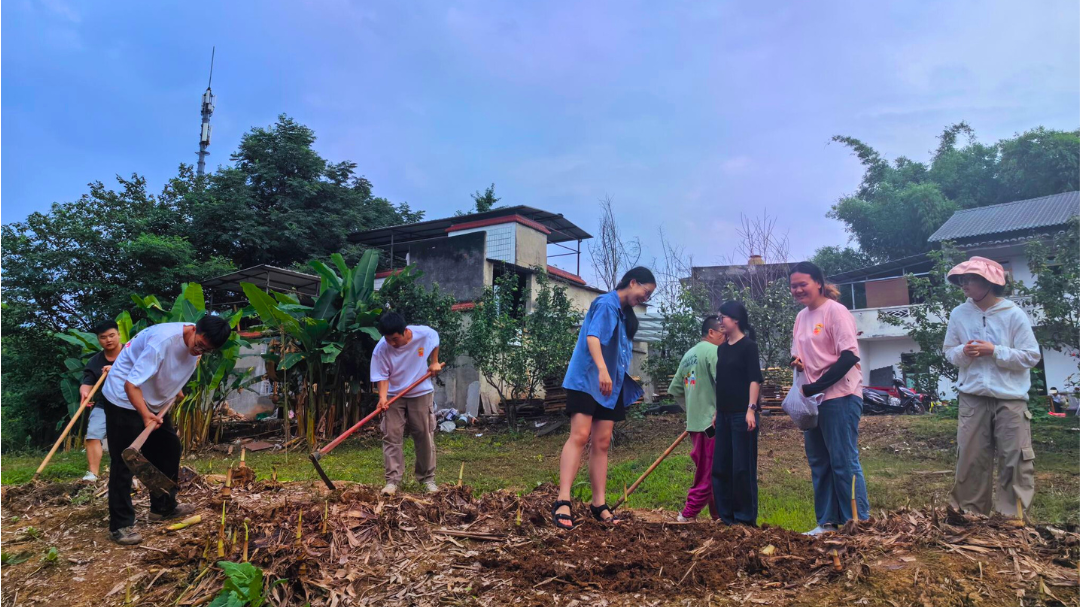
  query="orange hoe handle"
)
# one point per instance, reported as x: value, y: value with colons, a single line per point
x: 650, y: 470
x: 317, y: 455
x: 74, y: 418
x: 346, y: 434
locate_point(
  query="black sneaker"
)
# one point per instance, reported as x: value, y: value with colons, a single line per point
x: 181, y: 510
x: 126, y: 536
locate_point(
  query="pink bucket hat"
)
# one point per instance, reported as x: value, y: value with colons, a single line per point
x: 987, y: 268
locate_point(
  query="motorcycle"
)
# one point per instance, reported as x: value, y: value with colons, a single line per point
x: 912, y: 402
x: 877, y: 401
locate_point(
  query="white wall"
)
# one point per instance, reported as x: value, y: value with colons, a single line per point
x: 876, y: 353
x: 1059, y: 367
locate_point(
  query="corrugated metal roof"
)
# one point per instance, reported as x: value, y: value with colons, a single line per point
x: 1032, y: 214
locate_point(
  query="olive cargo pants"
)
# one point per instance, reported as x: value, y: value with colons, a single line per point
x: 990, y: 427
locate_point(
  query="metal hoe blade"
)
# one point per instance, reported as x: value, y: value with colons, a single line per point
x: 322, y: 473
x: 154, y: 479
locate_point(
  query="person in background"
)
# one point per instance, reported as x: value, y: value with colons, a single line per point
x: 148, y: 376
x: 694, y: 384
x: 990, y: 339
x: 825, y: 347
x: 108, y: 336
x: 738, y: 384
x: 599, y: 389
x: 400, y: 358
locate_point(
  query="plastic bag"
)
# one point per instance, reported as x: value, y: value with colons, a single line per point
x: 802, y: 409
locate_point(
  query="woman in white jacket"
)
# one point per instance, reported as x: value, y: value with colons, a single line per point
x: 990, y: 339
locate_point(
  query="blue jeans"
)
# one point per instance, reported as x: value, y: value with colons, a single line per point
x: 734, y: 473
x: 832, y: 449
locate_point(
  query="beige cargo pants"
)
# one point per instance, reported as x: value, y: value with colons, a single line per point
x: 417, y: 416
x: 990, y: 427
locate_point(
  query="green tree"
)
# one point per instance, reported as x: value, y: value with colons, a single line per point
x: 77, y: 264
x: 282, y: 204
x: 935, y: 299
x: 486, y: 200
x: 835, y: 260
x: 1056, y: 292
x: 516, y: 349
x: 482, y: 201
x: 898, y: 206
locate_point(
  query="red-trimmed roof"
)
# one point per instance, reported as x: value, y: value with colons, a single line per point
x: 481, y: 223
x: 567, y: 275
x: 461, y: 307
x: 386, y: 273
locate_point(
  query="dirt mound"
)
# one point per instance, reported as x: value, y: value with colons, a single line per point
x: 41, y: 493
x: 640, y: 556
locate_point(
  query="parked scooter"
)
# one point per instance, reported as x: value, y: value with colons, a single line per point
x: 880, y: 402
x: 911, y: 401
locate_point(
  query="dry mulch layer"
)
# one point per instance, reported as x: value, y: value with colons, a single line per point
x: 352, y: 546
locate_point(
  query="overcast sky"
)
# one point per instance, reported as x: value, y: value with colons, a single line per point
x: 685, y: 113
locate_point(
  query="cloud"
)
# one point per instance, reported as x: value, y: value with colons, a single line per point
x: 63, y: 10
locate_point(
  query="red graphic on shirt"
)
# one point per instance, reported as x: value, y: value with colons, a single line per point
x: 420, y: 352
x: 817, y: 328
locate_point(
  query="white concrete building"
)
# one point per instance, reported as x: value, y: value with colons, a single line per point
x: 1000, y: 232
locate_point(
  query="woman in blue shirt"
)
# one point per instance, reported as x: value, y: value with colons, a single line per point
x: 598, y: 389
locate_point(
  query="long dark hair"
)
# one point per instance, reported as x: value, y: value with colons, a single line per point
x: 643, y: 276
x: 737, y: 312
x: 809, y: 268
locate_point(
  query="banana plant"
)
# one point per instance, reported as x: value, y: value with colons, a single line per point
x: 341, y: 322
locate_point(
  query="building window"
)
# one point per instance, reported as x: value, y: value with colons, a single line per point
x: 853, y: 295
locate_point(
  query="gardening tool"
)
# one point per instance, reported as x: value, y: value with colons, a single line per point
x: 74, y: 418
x: 317, y: 455
x: 627, y: 492
x: 154, y: 479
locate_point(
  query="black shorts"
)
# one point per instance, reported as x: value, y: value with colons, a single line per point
x: 583, y: 402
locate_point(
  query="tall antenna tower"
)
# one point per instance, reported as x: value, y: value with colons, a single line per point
x: 207, y: 112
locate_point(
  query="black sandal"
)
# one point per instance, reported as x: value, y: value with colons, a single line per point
x: 557, y: 517
x: 598, y: 514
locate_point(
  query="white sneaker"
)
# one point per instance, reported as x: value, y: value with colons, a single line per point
x: 431, y: 487
x: 389, y: 489
x: 90, y: 477
x: 682, y: 519
x: 820, y: 529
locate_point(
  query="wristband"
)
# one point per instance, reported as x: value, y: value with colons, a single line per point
x: 752, y: 407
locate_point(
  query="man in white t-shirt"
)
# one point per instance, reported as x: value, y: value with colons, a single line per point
x: 149, y: 374
x: 400, y: 358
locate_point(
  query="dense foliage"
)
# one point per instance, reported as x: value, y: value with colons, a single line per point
x: 1056, y: 294
x: 899, y: 205
x: 515, y: 345
x: 278, y: 203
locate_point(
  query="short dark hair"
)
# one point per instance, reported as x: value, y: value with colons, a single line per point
x: 215, y: 328
x: 107, y: 325
x: 391, y: 323
x: 711, y: 323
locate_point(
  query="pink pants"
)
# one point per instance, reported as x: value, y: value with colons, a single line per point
x: 701, y: 493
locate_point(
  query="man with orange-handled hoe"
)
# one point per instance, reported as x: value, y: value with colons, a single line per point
x: 405, y: 354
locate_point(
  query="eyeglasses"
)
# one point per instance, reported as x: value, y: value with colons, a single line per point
x: 201, y: 346
x: 968, y: 279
